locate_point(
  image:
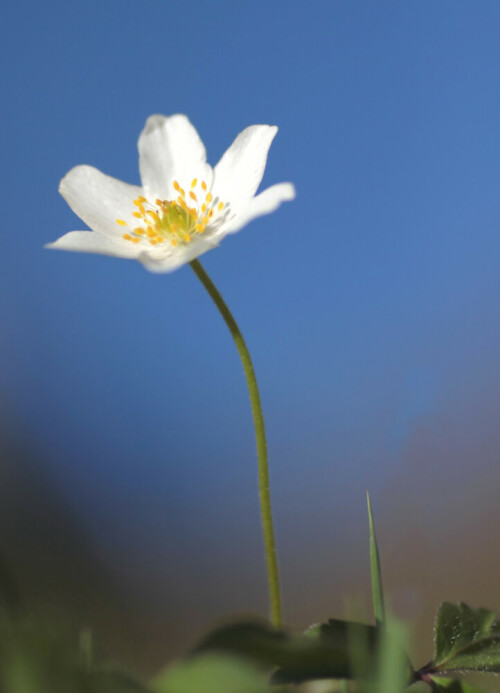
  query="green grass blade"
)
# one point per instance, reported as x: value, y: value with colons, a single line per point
x: 377, y: 593
x: 395, y: 671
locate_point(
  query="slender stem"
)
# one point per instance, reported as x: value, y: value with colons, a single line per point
x: 260, y: 436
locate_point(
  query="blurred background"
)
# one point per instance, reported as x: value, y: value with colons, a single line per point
x: 128, y: 487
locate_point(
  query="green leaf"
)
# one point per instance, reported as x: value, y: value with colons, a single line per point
x: 324, y: 651
x: 466, y: 639
x: 442, y: 685
x: 211, y: 673
x: 254, y: 640
x: 377, y: 592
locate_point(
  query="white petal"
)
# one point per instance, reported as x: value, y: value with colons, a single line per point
x: 266, y: 202
x: 93, y: 242
x: 99, y: 199
x: 179, y: 256
x: 238, y: 174
x: 171, y: 149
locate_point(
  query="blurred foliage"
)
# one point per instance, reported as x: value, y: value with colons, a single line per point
x: 40, y: 655
x: 443, y: 685
x: 212, y: 673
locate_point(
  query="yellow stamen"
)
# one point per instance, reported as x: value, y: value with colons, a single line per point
x: 175, y: 220
x: 179, y: 189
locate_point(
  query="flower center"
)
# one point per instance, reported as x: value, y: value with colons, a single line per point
x: 175, y: 221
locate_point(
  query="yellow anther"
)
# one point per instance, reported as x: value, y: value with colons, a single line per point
x: 152, y: 241
x: 121, y: 222
x: 211, y: 213
x: 220, y: 206
x: 193, y: 182
x: 153, y: 215
x: 209, y: 197
x: 159, y: 203
x: 203, y: 207
x: 150, y: 232
x: 141, y: 199
x: 159, y: 239
x: 127, y: 237
x: 204, y: 186
x: 137, y: 202
x: 187, y: 238
x: 137, y: 215
x: 179, y: 189
x: 193, y: 196
x: 174, y: 242
x: 139, y: 231
x: 199, y: 227
x: 135, y: 240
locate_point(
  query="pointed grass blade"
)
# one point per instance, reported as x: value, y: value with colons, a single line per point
x: 377, y: 593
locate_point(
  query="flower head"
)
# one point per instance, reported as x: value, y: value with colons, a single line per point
x: 183, y: 208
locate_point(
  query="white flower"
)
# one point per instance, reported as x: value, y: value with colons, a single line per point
x: 183, y: 208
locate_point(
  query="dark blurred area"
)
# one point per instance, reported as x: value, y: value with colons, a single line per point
x: 47, y: 561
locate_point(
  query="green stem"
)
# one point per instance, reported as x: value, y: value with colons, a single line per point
x: 260, y: 436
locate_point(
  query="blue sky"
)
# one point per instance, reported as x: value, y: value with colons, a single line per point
x: 370, y: 304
